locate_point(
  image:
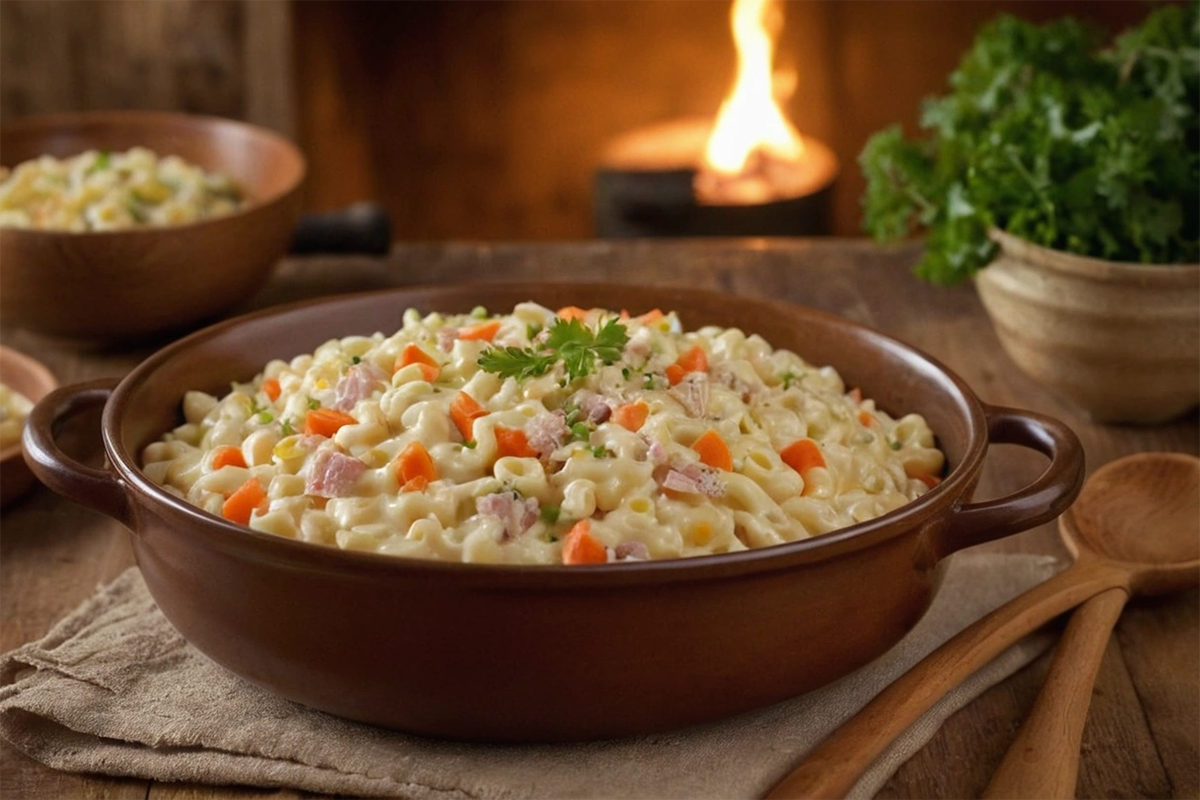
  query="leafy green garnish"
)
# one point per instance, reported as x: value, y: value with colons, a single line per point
x: 287, y: 427
x: 1054, y: 139
x: 570, y: 342
x: 103, y: 159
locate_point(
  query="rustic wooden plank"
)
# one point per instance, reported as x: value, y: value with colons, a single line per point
x: 268, y: 53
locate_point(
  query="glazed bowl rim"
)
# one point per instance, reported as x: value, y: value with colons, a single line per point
x: 67, y: 119
x: 261, y: 545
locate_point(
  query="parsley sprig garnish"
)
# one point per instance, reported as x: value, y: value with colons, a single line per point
x: 571, y: 342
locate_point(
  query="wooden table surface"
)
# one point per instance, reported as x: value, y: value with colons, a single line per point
x: 1143, y: 732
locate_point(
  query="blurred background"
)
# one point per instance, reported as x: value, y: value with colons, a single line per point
x: 487, y: 120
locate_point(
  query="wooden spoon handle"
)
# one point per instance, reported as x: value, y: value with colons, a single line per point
x: 832, y: 769
x: 1043, y: 760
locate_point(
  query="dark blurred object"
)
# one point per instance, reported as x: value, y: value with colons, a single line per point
x: 363, y: 228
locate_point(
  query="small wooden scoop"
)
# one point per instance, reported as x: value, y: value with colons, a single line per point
x: 1134, y: 529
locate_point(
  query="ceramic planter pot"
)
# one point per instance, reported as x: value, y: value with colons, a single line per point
x: 1119, y: 341
x: 546, y: 653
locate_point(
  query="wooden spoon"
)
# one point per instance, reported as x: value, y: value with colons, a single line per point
x: 1141, y: 510
x: 1133, y: 529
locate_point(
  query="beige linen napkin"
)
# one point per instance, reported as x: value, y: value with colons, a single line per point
x: 113, y: 689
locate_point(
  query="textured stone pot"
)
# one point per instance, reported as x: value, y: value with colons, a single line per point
x: 1120, y: 341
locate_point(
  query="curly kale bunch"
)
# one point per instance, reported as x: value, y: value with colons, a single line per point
x: 1053, y: 139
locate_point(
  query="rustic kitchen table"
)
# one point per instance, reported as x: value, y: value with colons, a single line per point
x: 1143, y: 731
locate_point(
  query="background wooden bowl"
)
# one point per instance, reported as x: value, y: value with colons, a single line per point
x: 30, y: 378
x: 120, y: 284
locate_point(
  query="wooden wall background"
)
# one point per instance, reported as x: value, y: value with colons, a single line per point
x: 484, y: 119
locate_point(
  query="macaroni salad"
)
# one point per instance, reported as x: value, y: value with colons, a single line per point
x: 14, y: 410
x: 543, y: 437
x: 100, y: 191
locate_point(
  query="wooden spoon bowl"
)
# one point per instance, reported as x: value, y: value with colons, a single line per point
x: 1142, y: 512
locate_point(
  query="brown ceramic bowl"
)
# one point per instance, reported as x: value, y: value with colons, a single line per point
x: 30, y: 378
x: 509, y: 653
x: 119, y: 284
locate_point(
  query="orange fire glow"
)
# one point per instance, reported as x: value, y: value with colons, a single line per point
x: 751, y: 121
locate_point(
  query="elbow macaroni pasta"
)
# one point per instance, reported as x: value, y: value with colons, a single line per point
x: 674, y: 444
x: 100, y: 191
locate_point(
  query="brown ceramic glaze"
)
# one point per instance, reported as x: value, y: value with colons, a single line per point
x: 119, y: 284
x: 30, y: 378
x: 506, y: 653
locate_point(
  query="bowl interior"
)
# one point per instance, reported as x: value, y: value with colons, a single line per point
x: 899, y: 378
x: 266, y: 165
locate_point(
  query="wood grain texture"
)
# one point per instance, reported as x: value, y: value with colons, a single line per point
x: 1143, y: 734
x: 218, y: 57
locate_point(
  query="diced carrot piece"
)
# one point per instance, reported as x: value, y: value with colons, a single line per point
x: 241, y: 504
x: 228, y: 456
x: 580, y: 547
x: 929, y: 480
x: 866, y: 418
x: 631, y: 416
x: 326, y: 421
x: 802, y: 455
x: 713, y: 451
x: 485, y: 331
x: 425, y: 363
x: 464, y: 411
x: 415, y: 468
x: 694, y: 360
x: 271, y: 387
x: 653, y: 315
x: 513, y: 442
x: 571, y: 312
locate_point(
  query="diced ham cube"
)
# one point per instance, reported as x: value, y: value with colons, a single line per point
x: 516, y: 513
x: 332, y: 474
x: 359, y: 383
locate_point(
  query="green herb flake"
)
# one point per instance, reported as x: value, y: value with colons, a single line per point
x: 580, y: 432
x: 313, y: 403
x: 287, y: 427
x: 470, y: 445
x: 550, y: 514
x: 600, y: 451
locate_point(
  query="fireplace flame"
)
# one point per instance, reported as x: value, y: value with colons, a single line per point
x: 751, y: 121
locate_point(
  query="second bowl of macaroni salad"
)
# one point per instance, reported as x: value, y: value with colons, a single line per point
x: 98, y: 190
x: 542, y: 436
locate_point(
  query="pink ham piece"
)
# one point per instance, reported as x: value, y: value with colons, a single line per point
x: 516, y: 513
x: 332, y: 474
x: 695, y: 479
x: 446, y: 337
x: 547, y: 432
x: 632, y: 550
x: 692, y: 394
x: 359, y: 383
x: 594, y: 408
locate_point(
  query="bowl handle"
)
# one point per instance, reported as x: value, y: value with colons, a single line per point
x: 99, y: 489
x: 1041, y: 501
